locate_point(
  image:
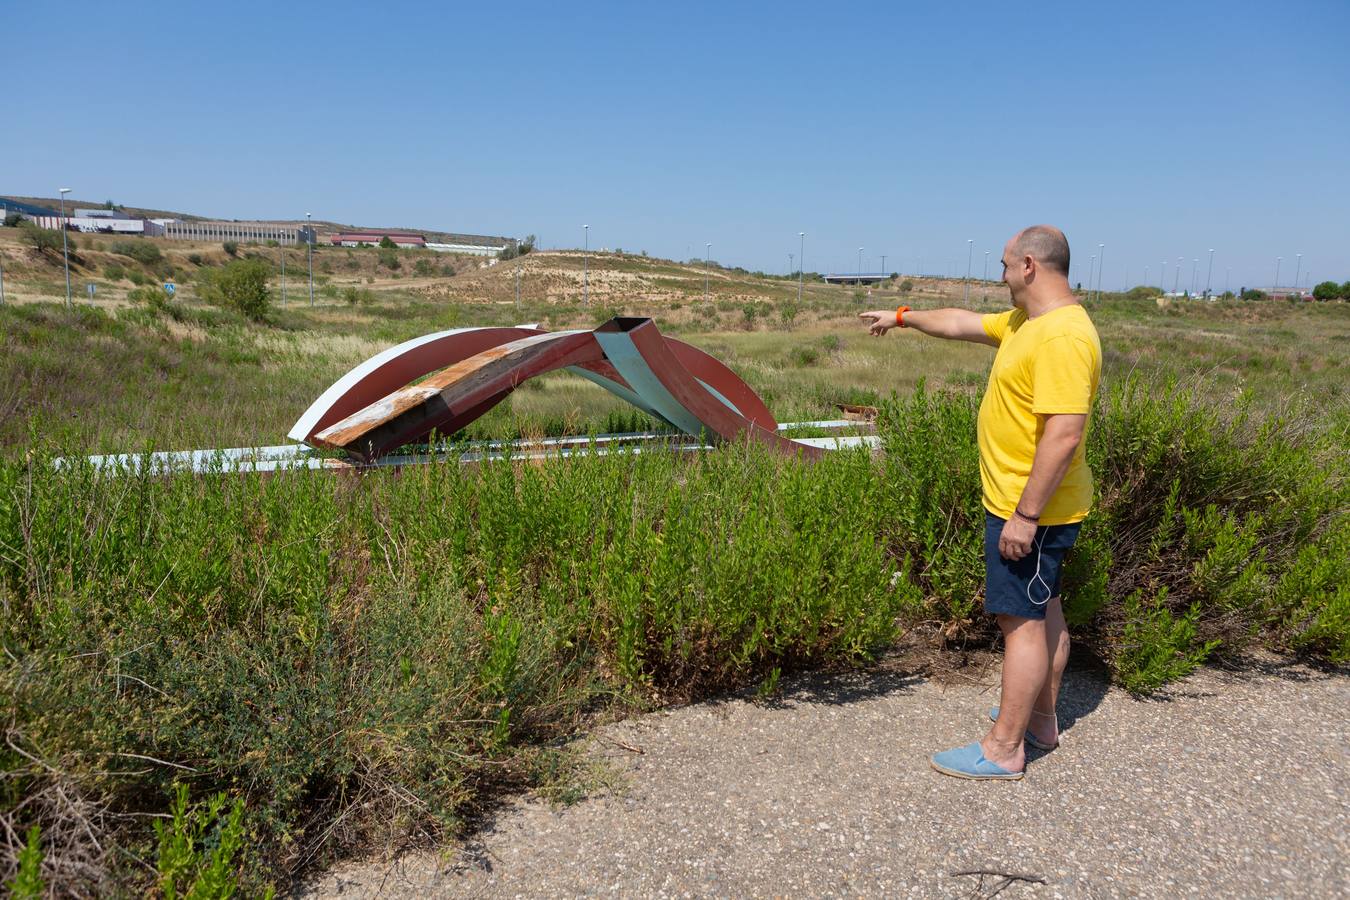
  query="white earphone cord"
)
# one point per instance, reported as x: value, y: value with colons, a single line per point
x: 1037, y: 577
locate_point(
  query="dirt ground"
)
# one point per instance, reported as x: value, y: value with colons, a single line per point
x: 1228, y: 785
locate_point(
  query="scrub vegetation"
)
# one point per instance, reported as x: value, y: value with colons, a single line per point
x: 221, y: 680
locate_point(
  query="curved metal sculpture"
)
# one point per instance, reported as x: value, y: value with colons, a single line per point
x: 374, y: 409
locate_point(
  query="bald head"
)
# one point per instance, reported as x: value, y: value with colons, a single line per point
x: 1046, y: 244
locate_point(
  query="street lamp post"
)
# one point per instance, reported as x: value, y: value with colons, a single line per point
x: 970, y: 249
x: 1209, y: 274
x: 986, y: 266
x: 1092, y: 270
x: 860, y: 250
x: 65, y: 248
x: 1101, y: 267
x: 309, y: 244
x: 1176, y: 279
x: 1278, y: 259
x: 1195, y: 275
x: 791, y: 256
x: 801, y: 264
x: 586, y: 266
x: 2, y: 284
x: 1298, y: 270
x: 707, y: 259
x: 883, y: 264
x: 282, y: 252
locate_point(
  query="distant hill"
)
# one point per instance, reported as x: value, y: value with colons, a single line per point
x: 320, y: 225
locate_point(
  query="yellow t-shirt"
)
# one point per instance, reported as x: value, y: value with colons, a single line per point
x: 1049, y: 364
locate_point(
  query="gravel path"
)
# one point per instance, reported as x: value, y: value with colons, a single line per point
x: 1231, y: 785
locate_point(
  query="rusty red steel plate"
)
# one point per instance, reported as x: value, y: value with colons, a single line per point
x: 448, y: 400
x: 373, y: 410
x: 398, y: 366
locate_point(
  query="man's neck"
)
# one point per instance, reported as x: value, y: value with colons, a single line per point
x: 1048, y: 301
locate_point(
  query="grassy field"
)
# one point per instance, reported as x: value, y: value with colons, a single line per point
x: 301, y: 665
x: 118, y: 376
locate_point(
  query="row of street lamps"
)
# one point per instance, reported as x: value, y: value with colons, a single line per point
x: 1096, y: 269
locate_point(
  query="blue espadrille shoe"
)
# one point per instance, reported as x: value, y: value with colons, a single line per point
x: 969, y: 762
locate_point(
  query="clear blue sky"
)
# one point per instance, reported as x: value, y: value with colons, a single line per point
x: 1159, y: 129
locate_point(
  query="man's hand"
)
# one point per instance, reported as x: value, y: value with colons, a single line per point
x: 883, y: 320
x: 1017, y: 537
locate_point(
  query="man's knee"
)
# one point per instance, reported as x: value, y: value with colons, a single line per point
x: 1009, y: 624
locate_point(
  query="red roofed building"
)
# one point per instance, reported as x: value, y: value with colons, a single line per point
x: 404, y: 239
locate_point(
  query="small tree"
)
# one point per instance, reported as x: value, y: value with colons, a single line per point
x: 787, y: 311
x: 906, y: 286
x: 1253, y: 294
x: 389, y: 258
x: 242, y: 284
x: 1345, y: 291
x: 387, y: 244
x: 40, y: 239
x: 749, y: 312
x: 1327, y: 290
x: 12, y: 219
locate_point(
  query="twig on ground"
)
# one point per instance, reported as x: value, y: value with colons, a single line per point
x: 999, y: 887
x: 625, y: 746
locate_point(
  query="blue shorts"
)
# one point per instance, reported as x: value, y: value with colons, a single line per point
x: 1022, y: 587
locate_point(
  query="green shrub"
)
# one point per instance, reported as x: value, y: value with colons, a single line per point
x: 12, y: 219
x: 354, y: 296
x: 140, y: 250
x: 386, y: 243
x: 196, y: 259
x: 389, y: 258
x: 802, y: 356
x: 1157, y: 646
x: 1326, y: 290
x: 196, y: 849
x: 231, y: 248
x: 423, y: 267
x: 114, y: 272
x: 241, y: 285
x: 27, y: 883
x: 906, y: 286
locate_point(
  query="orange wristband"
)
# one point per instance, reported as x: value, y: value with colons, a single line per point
x: 900, y: 316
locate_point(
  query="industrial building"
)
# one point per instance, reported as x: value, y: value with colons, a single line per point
x: 202, y: 230
x: 93, y: 224
x: 471, y: 244
x: 405, y: 240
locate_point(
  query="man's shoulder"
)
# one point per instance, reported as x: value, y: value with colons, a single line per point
x: 1073, y: 322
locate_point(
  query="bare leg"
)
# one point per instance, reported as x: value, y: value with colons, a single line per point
x: 1026, y: 667
x: 1044, y: 723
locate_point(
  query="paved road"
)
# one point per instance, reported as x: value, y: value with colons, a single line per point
x: 1232, y: 785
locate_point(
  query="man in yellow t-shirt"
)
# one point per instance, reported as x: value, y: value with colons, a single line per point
x: 1036, y: 482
